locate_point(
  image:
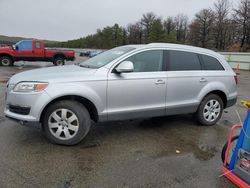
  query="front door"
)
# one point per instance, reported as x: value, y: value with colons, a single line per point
x: 24, y: 50
x: 141, y: 93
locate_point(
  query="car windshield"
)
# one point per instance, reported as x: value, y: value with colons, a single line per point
x: 106, y: 57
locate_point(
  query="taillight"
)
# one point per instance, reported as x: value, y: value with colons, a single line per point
x: 236, y: 79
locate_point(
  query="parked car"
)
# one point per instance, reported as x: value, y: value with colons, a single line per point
x: 85, y: 53
x: 127, y: 82
x: 90, y: 53
x: 33, y: 50
x: 94, y: 53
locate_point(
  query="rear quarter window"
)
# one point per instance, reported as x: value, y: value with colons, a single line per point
x: 210, y: 63
x: 183, y: 61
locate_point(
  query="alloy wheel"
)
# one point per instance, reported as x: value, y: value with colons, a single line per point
x: 63, y: 124
x: 211, y: 110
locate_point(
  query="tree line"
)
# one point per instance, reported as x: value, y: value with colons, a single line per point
x: 221, y: 27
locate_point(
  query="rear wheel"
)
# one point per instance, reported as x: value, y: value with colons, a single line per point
x: 6, y: 61
x: 59, y: 61
x: 66, y: 122
x: 210, y: 110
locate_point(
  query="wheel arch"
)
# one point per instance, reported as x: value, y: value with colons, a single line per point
x: 6, y: 54
x: 89, y: 105
x: 221, y: 94
x: 58, y: 54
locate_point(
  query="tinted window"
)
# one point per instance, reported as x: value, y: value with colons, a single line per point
x: 38, y: 45
x: 148, y: 61
x: 181, y: 61
x: 210, y: 63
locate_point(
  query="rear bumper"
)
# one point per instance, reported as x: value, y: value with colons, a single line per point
x: 231, y: 102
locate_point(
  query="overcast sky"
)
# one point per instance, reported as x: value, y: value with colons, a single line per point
x: 71, y: 19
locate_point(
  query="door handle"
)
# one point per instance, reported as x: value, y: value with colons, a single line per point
x: 203, y: 80
x: 159, y: 82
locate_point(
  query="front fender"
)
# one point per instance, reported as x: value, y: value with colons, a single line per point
x: 6, y: 54
x: 93, y: 91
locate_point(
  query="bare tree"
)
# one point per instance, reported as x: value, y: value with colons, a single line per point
x: 181, y: 25
x: 242, y: 18
x: 169, y: 25
x: 221, y: 11
x: 232, y: 37
x: 135, y: 33
x: 201, y: 28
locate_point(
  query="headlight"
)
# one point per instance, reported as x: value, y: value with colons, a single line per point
x: 30, y: 86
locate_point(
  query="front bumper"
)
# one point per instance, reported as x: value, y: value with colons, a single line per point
x: 25, y: 123
x: 25, y: 107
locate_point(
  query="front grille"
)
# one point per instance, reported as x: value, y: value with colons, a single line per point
x: 19, y: 109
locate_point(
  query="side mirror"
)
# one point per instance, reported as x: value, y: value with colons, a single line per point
x: 125, y: 66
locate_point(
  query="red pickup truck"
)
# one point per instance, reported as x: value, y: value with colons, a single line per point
x: 33, y: 50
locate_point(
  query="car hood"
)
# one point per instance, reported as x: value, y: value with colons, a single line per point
x: 54, y: 74
x: 4, y: 48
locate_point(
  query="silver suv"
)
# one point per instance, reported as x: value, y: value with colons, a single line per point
x: 134, y: 81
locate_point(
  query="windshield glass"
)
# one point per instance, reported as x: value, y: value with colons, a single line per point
x: 106, y: 57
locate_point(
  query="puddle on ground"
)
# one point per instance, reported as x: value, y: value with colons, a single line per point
x: 205, y: 152
x: 203, y: 142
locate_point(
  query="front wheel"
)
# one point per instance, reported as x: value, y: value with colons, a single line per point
x: 66, y: 122
x: 6, y: 61
x: 210, y: 110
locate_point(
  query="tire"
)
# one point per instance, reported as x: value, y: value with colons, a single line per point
x: 59, y: 61
x: 224, y: 149
x: 210, y: 110
x: 6, y: 61
x: 66, y: 122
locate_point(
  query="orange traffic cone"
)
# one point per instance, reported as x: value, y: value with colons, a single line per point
x: 238, y: 69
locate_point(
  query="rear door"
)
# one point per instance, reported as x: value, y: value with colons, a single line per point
x: 185, y: 81
x: 141, y: 93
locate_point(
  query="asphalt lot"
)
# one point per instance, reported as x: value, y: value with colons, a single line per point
x: 138, y: 153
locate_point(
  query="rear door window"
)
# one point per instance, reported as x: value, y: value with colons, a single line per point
x: 38, y: 45
x: 210, y: 63
x: 183, y: 61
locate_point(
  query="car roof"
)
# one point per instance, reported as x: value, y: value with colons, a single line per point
x: 176, y: 46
